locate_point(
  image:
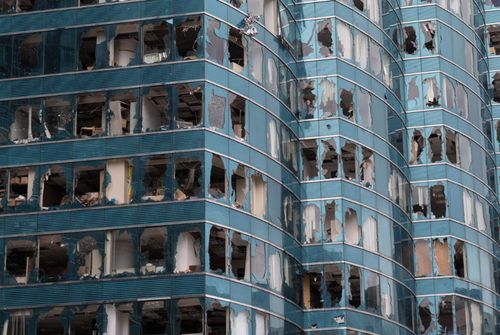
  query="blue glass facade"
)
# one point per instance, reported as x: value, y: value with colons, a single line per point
x: 249, y: 167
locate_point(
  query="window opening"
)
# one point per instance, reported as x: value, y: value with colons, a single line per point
x: 187, y: 253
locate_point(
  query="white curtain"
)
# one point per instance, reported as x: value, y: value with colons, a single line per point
x: 187, y: 252
x: 345, y: 39
x: 275, y: 276
x: 239, y: 323
x: 370, y: 234
x: 468, y: 207
x: 311, y: 224
x: 481, y: 224
x: 351, y: 227
x: 361, y: 45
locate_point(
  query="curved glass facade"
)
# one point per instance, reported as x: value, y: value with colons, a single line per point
x: 249, y: 167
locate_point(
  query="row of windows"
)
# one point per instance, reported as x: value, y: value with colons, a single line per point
x: 176, y: 316
x: 24, y: 6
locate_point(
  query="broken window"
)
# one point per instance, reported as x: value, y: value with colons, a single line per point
x: 26, y: 124
x: 216, y: 41
x: 187, y: 178
x: 187, y: 252
x: 433, y: 94
x: 155, y: 110
x: 445, y: 315
x: 311, y: 217
x: 154, y: 178
x: 417, y: 147
x: 189, y: 317
x: 119, y: 187
x: 435, y: 145
x: 308, y: 98
x: 54, y: 188
x: 238, y: 116
x: 496, y: 87
x: 88, y: 258
x: 328, y: 101
x: 459, y: 259
x: 410, y: 44
x: 216, y: 318
x: 429, y: 30
x: 152, y: 246
x: 451, y: 146
x: 372, y: 290
x: 370, y: 240
x: 155, y: 318
x: 122, y: 108
x: 325, y: 39
x: 420, y: 195
x: 236, y: 49
x: 261, y: 323
x: 218, y: 184
x: 90, y: 116
x: 239, y: 186
x: 118, y: 318
x: 122, y: 47
x: 368, y: 168
x: 120, y: 253
x: 259, y: 196
x: 494, y: 34
x: 332, y: 225
x: 50, y: 323
x: 309, y: 157
x: 351, y: 227
x: 349, y: 160
x: 347, y: 103
x: 186, y: 37
x: 20, y: 259
x: 58, y: 117
x: 30, y: 54
x: 239, y: 321
x: 334, y: 283
x: 271, y: 15
x: 425, y: 316
x: 441, y: 256
x: 240, y: 257
x: 88, y: 185
x: 189, y: 107
x: 258, y: 260
x: 423, y: 258
x: 156, y: 42
x: 345, y: 40
x: 438, y: 201
x: 361, y: 50
x: 216, y: 110
x: 312, y: 289
x: 217, y: 249
x: 52, y: 258
x: 21, y: 185
x: 92, y: 49
x: 354, y: 286
x: 84, y: 320
x: 330, y: 159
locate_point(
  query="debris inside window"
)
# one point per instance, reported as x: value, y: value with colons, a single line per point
x: 309, y: 157
x: 216, y: 319
x: 54, y: 188
x: 217, y: 246
x: 237, y: 56
x: 347, y: 103
x: 429, y: 30
x: 349, y: 161
x: 152, y: 246
x: 425, y: 316
x: 189, y: 317
x: 330, y: 159
x: 333, y: 227
x: 58, y: 116
x: 451, y: 146
x: 259, y: 196
x: 88, y: 185
x: 433, y: 94
x: 218, y: 185
x: 438, y: 201
x: 119, y: 252
x: 368, y: 168
x: 445, y: 315
x: 312, y: 289
x: 354, y: 287
x: 187, y: 252
x: 90, y: 116
x: 155, y: 318
x: 420, y: 195
x: 89, y: 258
x: 334, y: 283
x: 351, y: 226
x: 240, y: 257
x: 52, y: 258
x: 239, y: 186
x: 154, y: 178
x: 186, y: 37
x: 90, y: 45
x: 122, y: 47
x: 156, y: 43
x: 459, y: 259
x: 238, y: 116
x: 423, y: 257
x: 410, y: 44
x: 26, y: 125
x: 50, y: 323
x: 441, y: 256
x: 122, y: 109
x: 187, y: 178
x: 189, y: 107
x: 311, y: 218
x: 435, y: 145
x: 417, y: 147
x: 155, y: 110
x: 21, y: 185
x: 84, y: 320
x: 20, y: 259
x: 325, y: 37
